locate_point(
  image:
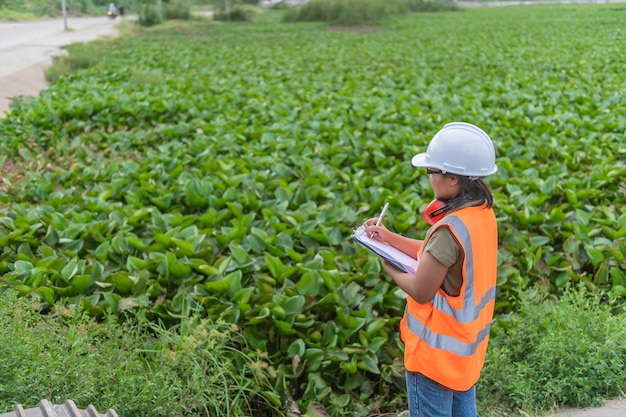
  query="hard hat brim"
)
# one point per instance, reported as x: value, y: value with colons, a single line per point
x: 419, y: 160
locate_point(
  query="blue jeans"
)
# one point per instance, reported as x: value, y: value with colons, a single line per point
x: 427, y: 398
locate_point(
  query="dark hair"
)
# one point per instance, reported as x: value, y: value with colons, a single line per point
x: 472, y: 190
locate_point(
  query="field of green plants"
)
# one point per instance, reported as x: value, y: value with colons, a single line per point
x: 219, y: 169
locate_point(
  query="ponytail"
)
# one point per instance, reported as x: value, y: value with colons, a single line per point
x: 473, y: 190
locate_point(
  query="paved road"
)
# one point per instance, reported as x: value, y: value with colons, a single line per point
x: 27, y: 48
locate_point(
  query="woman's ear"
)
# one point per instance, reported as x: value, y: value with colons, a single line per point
x: 454, y: 179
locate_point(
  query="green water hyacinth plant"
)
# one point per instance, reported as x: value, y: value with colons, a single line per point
x: 221, y: 169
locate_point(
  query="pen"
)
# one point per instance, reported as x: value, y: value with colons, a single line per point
x: 382, y: 214
x: 380, y: 218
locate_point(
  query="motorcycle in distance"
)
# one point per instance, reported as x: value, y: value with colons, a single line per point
x: 112, y: 11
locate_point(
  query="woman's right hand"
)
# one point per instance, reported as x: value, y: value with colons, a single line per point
x: 379, y: 233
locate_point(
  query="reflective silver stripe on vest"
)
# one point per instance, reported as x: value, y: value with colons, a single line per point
x: 444, y: 342
x: 470, y: 311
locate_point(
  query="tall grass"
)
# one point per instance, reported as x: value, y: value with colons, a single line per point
x: 130, y: 365
x: 346, y: 12
x: 149, y: 15
x: 553, y: 352
x: 177, y: 9
x: 237, y: 14
x: 9, y: 14
x: 432, y: 5
x: 361, y: 12
x: 79, y: 56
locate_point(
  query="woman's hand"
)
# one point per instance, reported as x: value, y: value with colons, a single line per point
x: 382, y: 234
x: 379, y: 233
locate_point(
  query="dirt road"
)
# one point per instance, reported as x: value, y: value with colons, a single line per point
x: 27, y: 48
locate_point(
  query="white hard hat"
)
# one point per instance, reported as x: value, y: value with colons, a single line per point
x: 459, y: 148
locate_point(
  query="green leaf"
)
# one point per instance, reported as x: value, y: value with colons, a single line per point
x: 162, y: 239
x: 538, y: 241
x: 135, y: 241
x: 46, y: 293
x: 230, y: 284
x: 284, y: 328
x: 293, y: 306
x: 23, y: 267
x: 261, y: 317
x: 275, y: 266
x: 121, y: 282
x: 594, y: 255
x: 309, y: 283
x: 70, y: 269
x: 102, y: 251
x: 375, y: 326
x: 583, y: 217
x: 617, y: 276
x: 571, y: 197
x: 297, y: 347
x: 119, y: 244
x: 81, y: 283
x: 112, y: 300
x: 175, y: 268
x: 369, y: 364
x: 135, y: 264
x: 313, y: 358
x: 184, y: 248
x: 284, y: 240
x: 239, y: 254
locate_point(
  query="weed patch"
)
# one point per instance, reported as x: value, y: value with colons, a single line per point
x: 128, y: 364
x: 554, y: 352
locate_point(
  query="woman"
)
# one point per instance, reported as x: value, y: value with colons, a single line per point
x: 450, y: 299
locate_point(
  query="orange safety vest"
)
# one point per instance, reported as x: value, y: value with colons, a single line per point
x: 446, y: 338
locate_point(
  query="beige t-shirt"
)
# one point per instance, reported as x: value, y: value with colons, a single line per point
x: 447, y: 250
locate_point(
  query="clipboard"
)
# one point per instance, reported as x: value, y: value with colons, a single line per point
x: 395, y: 257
